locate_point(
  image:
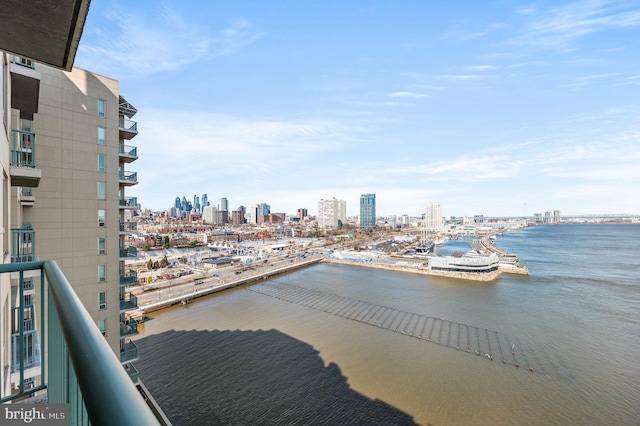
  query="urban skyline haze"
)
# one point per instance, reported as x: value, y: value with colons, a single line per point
x: 499, y: 109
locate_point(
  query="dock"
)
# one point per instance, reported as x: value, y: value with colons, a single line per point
x: 207, y: 288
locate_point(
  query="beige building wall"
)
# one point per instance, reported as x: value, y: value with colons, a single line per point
x: 65, y: 213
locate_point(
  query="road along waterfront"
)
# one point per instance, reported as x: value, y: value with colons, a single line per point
x: 244, y: 356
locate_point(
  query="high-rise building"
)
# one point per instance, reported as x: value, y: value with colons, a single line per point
x: 556, y: 216
x: 367, y: 211
x: 177, y: 204
x: 332, y: 213
x: 196, y: 202
x: 433, y: 218
x: 205, y: 201
x: 302, y: 213
x: 223, y: 204
x: 69, y: 200
x: 210, y: 215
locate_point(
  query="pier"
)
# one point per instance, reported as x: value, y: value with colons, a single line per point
x: 191, y: 291
x: 487, y: 344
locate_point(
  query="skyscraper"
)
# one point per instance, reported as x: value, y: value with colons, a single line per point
x: 205, y: 201
x: 332, y: 213
x: 433, y: 217
x: 223, y: 204
x: 367, y: 211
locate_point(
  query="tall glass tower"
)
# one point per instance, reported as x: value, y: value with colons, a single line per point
x: 367, y: 211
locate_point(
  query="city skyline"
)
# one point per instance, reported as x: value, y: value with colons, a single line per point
x: 501, y: 110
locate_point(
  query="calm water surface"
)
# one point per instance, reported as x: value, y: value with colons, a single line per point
x: 243, y: 357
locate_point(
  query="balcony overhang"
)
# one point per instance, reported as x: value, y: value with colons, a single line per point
x: 25, y: 176
x: 25, y: 90
x: 46, y: 31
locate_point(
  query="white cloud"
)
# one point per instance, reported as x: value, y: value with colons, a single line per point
x: 138, y: 44
x: 405, y: 95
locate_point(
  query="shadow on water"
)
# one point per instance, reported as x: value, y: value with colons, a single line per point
x: 252, y: 377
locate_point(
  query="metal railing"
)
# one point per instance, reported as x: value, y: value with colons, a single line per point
x: 130, y: 151
x: 129, y: 352
x: 126, y: 124
x: 129, y: 177
x: 128, y: 328
x: 80, y: 368
x: 128, y: 301
x: 23, y: 244
x: 129, y: 202
x: 129, y: 252
x: 129, y: 279
x: 128, y: 226
x: 23, y: 149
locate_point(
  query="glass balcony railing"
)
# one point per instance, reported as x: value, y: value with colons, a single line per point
x: 23, y: 149
x: 128, y: 178
x: 129, y: 151
x: 128, y: 125
x: 129, y: 279
x: 128, y: 328
x: 129, y: 202
x: 128, y: 226
x: 97, y: 389
x: 129, y: 351
x: 129, y: 252
x: 23, y: 244
x: 128, y: 302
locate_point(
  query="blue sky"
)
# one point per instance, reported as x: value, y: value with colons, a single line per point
x: 494, y: 108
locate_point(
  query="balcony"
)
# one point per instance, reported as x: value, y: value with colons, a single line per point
x: 128, y: 128
x: 128, y: 154
x: 129, y: 279
x: 128, y: 253
x: 23, y: 244
x: 128, y: 178
x: 23, y: 159
x: 98, y: 390
x: 128, y: 301
x: 128, y: 227
x: 129, y: 203
x: 26, y: 197
x: 25, y: 86
x: 128, y: 328
x: 128, y: 352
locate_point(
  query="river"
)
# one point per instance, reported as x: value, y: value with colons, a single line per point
x: 337, y: 344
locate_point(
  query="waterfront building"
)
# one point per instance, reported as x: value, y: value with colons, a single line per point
x: 433, y: 218
x: 62, y: 153
x: 331, y: 213
x: 556, y: 216
x: 547, y: 217
x: 367, y: 211
x: 537, y: 218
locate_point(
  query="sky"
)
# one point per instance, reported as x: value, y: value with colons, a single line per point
x: 499, y: 108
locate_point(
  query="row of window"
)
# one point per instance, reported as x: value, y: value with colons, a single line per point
x: 102, y: 192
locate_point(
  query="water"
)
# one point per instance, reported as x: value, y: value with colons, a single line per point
x: 303, y: 348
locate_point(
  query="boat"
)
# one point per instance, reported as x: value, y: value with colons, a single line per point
x: 440, y: 241
x: 471, y: 261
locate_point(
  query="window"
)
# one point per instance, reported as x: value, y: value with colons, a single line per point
x: 102, y: 245
x: 102, y: 218
x: 102, y: 135
x: 102, y: 300
x: 102, y: 190
x: 102, y: 163
x: 102, y: 106
x: 102, y: 325
x: 102, y: 273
